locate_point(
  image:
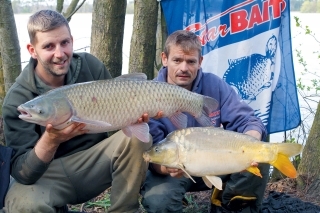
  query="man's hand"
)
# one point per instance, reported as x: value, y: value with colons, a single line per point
x: 49, y: 142
x: 256, y: 135
x: 59, y: 136
x: 177, y: 173
x: 145, y: 117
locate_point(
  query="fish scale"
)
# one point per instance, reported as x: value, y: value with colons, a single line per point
x: 109, y: 105
x: 209, y: 151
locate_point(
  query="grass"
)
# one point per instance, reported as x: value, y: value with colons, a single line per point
x: 104, y: 203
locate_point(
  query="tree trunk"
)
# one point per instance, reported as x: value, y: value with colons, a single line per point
x: 161, y: 38
x: 309, y: 176
x: 59, y: 6
x: 107, y: 33
x: 9, y: 48
x: 143, y: 41
x: 2, y: 89
x: 72, y: 7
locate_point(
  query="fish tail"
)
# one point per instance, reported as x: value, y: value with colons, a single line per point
x: 289, y: 149
x: 284, y: 165
x: 209, y: 105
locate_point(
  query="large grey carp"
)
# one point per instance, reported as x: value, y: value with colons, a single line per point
x: 108, y: 105
x: 208, y: 151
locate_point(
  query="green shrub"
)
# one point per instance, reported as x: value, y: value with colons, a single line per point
x: 309, y: 7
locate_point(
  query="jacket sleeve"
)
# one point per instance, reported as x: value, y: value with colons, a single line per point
x: 94, y: 67
x: 157, y: 130
x: 22, y: 136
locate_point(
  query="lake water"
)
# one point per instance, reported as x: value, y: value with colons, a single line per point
x: 80, y: 25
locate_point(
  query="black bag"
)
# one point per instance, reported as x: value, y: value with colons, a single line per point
x: 5, y: 157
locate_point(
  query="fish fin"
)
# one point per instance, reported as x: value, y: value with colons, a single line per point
x: 207, y: 182
x: 131, y: 76
x: 289, y: 149
x: 127, y: 131
x: 179, y: 120
x: 209, y: 105
x: 214, y: 180
x: 204, y: 120
x: 64, y: 125
x: 254, y: 170
x: 141, y: 131
x: 265, y: 86
x: 185, y: 172
x: 250, y: 97
x: 101, y: 124
x: 284, y: 165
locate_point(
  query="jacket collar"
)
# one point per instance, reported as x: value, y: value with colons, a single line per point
x: 29, y: 80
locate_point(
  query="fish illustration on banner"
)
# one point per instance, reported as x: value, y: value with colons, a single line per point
x: 248, y: 44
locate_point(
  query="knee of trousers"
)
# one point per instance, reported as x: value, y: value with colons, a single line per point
x: 25, y: 203
x: 26, y: 200
x: 157, y: 203
x: 163, y: 200
x: 139, y: 145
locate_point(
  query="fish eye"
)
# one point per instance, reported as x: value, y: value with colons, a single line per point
x: 40, y: 111
x: 156, y: 149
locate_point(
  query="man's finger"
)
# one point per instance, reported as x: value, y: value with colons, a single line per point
x: 159, y: 115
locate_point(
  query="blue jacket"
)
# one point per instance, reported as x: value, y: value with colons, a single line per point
x: 232, y: 113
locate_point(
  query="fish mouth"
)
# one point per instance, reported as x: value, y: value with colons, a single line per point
x: 24, y: 113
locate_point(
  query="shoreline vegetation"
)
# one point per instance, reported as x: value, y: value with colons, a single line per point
x: 31, y: 6
x: 35, y: 5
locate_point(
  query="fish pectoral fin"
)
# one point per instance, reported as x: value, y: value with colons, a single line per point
x: 179, y: 120
x: 207, y: 182
x: 90, y: 122
x: 185, y: 172
x: 140, y: 130
x: 213, y: 180
x: 127, y: 132
x: 284, y: 165
x: 254, y: 170
x: 64, y: 125
x: 209, y: 105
